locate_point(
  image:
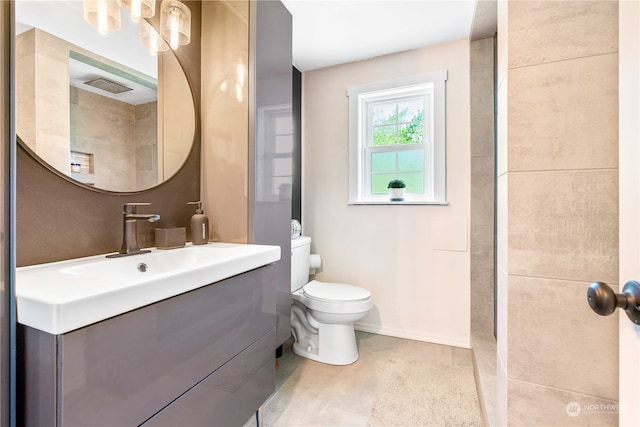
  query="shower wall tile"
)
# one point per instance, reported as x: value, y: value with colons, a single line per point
x: 482, y: 185
x: 549, y: 31
x: 53, y: 48
x: 105, y: 128
x: 502, y: 317
x: 552, y: 328
x: 146, y: 144
x: 482, y: 245
x: 482, y: 290
x: 482, y: 234
x: 536, y: 405
x: 558, y: 219
x: 502, y: 205
x: 503, y: 128
x: 52, y: 103
x: 501, y: 392
x: 564, y: 225
x: 25, y: 91
x: 482, y: 102
x: 564, y: 115
x: 56, y: 151
x: 482, y: 198
x: 502, y: 42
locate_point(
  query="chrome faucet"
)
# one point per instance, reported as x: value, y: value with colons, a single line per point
x: 130, y: 217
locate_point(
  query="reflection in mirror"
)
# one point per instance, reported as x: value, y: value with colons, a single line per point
x: 275, y: 164
x: 94, y: 110
x: 114, y: 121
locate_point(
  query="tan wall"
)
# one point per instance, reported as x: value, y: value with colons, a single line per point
x: 482, y: 187
x: 417, y: 272
x: 557, y: 210
x: 225, y: 120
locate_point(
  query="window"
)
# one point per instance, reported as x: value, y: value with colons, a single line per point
x: 397, y: 131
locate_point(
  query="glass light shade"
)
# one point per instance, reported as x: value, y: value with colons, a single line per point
x: 151, y: 39
x: 175, y: 23
x: 102, y: 14
x: 138, y: 8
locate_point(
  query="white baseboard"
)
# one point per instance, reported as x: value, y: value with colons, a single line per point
x: 413, y: 335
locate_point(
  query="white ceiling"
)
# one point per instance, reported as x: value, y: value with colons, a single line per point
x: 331, y: 32
x: 325, y: 32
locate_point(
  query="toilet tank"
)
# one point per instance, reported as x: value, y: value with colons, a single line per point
x: 300, y: 250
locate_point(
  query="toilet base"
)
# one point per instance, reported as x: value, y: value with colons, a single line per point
x: 334, y: 344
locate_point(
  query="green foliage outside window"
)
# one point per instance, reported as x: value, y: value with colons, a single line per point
x: 394, y: 129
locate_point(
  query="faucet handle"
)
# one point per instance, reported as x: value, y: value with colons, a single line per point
x: 130, y: 208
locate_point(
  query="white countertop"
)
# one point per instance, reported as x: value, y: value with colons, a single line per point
x: 62, y: 296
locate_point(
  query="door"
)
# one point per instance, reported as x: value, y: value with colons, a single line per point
x: 629, y: 163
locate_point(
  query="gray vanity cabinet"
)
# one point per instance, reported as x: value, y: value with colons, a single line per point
x: 204, y: 357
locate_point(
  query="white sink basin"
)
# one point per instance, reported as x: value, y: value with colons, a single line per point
x: 62, y: 296
x: 155, y: 263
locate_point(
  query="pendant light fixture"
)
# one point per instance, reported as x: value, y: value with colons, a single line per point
x: 175, y: 23
x: 102, y: 14
x: 138, y: 8
x: 151, y: 39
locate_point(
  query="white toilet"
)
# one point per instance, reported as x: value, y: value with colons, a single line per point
x: 322, y: 314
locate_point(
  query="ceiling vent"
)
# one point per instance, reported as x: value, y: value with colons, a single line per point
x: 108, y: 85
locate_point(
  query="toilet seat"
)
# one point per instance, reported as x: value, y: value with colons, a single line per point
x: 334, y: 292
x: 334, y: 298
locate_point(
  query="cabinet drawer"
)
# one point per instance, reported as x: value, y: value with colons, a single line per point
x: 125, y: 369
x: 230, y: 395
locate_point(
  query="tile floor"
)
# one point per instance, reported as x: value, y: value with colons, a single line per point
x: 309, y: 393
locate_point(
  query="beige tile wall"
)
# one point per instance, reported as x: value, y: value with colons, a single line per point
x: 534, y: 405
x: 25, y: 90
x: 570, y: 109
x: 558, y: 226
x: 146, y: 144
x: 482, y: 191
x: 52, y: 101
x: 110, y: 138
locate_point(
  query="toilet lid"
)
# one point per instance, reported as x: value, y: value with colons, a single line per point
x: 334, y: 291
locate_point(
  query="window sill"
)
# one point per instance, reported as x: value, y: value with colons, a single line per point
x: 405, y: 202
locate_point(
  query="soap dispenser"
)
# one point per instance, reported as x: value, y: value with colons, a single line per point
x: 199, y: 225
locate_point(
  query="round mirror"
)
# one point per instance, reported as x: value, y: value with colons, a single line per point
x: 99, y: 109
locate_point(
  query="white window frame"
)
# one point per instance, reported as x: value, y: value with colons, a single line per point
x: 360, y: 97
